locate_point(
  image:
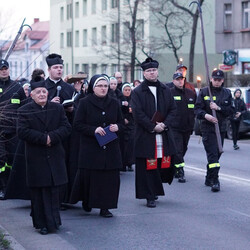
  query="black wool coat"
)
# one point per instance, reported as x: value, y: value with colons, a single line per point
x: 93, y: 113
x: 45, y: 164
x: 143, y: 108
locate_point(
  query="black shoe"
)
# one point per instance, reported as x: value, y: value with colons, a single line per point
x: 215, y: 187
x: 156, y: 198
x: 124, y: 169
x: 106, y: 213
x: 208, y: 182
x: 181, y: 178
x: 86, y: 208
x: 2, y: 195
x: 63, y: 208
x: 236, y: 147
x: 130, y: 169
x: 43, y: 231
x: 151, y: 203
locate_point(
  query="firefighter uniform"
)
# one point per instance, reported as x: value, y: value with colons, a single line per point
x: 183, y: 123
x: 223, y: 105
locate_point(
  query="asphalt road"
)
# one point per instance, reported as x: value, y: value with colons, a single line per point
x: 189, y: 216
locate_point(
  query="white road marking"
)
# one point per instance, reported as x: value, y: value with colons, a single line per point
x: 238, y: 212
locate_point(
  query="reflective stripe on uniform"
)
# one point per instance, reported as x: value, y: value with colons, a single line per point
x: 190, y: 106
x: 15, y: 101
x: 207, y: 98
x: 181, y: 165
x: 2, y: 169
x: 1, y: 90
x: 214, y: 165
x: 178, y: 98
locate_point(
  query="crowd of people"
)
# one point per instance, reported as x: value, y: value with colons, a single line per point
x: 68, y: 142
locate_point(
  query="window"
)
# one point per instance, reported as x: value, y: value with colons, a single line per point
x: 114, y: 33
x: 114, y: 68
x: 94, y: 36
x: 140, y: 29
x: 62, y: 40
x: 77, y: 38
x: 126, y: 32
x: 94, y: 69
x: 126, y: 2
x: 85, y: 38
x: 77, y: 67
x: 114, y: 3
x: 69, y: 11
x: 15, y: 68
x: 104, y: 35
x: 69, y: 39
x: 104, y: 68
x: 84, y: 7
x: 62, y: 13
x: 246, y: 67
x: 77, y: 9
x: 93, y: 8
x: 85, y: 68
x: 104, y: 5
x: 246, y: 15
x: 228, y: 17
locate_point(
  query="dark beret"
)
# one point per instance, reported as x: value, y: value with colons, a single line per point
x: 53, y: 59
x: 149, y: 63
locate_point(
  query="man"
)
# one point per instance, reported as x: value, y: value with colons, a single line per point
x: 222, y: 104
x: 118, y: 76
x: 183, y: 123
x: 43, y: 126
x: 153, y: 109
x: 12, y: 96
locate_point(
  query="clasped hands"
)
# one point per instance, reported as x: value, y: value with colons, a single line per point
x: 160, y: 126
x: 101, y: 131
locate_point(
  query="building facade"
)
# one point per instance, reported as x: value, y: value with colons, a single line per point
x: 233, y: 31
x: 86, y: 34
x: 30, y: 51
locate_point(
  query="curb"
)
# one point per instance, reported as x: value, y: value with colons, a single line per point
x: 14, y: 245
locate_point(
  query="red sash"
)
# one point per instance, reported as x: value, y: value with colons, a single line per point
x: 165, y: 162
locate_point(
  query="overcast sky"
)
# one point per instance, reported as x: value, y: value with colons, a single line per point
x: 12, y: 13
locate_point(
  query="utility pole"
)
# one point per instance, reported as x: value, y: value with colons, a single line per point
x: 72, y: 35
x: 118, y: 35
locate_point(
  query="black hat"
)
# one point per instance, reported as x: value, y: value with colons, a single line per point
x: 218, y: 74
x: 53, y: 59
x: 149, y: 63
x: 177, y: 75
x: 38, y: 82
x: 179, y: 66
x: 4, y: 63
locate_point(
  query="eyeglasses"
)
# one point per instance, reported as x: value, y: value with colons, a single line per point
x: 102, y: 86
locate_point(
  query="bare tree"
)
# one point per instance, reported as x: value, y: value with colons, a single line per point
x: 184, y: 23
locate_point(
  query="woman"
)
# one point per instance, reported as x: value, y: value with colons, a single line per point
x: 97, y: 181
x: 128, y: 155
x: 240, y: 109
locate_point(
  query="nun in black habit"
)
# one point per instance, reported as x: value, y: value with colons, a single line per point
x: 97, y: 180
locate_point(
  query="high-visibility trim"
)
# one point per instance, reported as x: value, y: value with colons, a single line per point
x: 1, y: 90
x: 7, y: 166
x: 15, y: 101
x: 207, y: 98
x: 180, y: 165
x: 190, y: 106
x: 2, y: 169
x: 177, y: 98
x: 214, y: 165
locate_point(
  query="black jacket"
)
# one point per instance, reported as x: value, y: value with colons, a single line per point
x: 239, y: 106
x: 12, y: 97
x: 93, y: 112
x: 45, y: 165
x: 223, y: 98
x: 184, y: 117
x: 143, y: 108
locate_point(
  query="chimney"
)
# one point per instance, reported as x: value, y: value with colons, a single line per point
x: 36, y: 20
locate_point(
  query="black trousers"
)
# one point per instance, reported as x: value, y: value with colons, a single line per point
x: 235, y: 129
x: 210, y: 144
x: 181, y: 142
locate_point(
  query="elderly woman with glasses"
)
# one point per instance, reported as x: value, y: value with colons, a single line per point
x: 97, y: 181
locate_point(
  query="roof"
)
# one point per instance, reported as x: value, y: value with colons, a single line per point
x: 38, y: 36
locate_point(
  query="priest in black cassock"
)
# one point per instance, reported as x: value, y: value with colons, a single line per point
x: 44, y: 126
x: 153, y: 109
